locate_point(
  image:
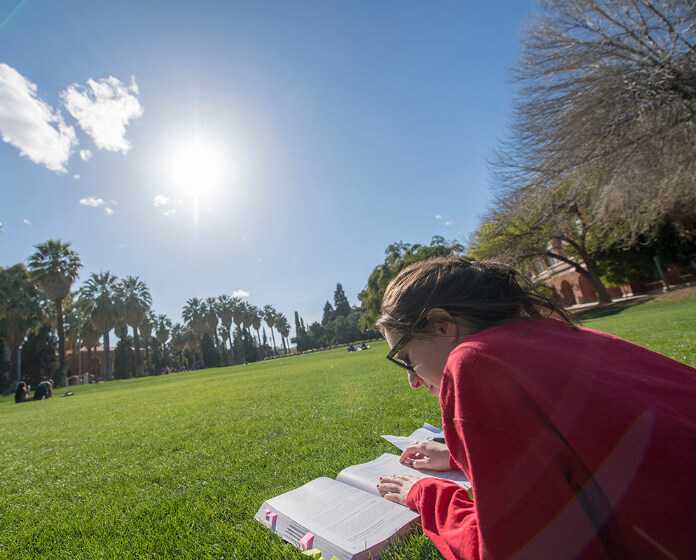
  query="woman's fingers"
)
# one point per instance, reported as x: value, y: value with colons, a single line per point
x: 390, y: 488
x: 396, y: 498
x: 412, y: 452
x: 421, y: 463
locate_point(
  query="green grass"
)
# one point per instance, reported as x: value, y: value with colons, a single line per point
x: 666, y: 326
x: 176, y: 466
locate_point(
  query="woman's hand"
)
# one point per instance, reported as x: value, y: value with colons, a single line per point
x: 395, y: 488
x: 429, y: 455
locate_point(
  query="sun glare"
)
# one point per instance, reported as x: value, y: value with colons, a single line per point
x: 197, y: 168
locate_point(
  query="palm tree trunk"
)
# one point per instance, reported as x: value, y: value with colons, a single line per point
x: 242, y: 344
x: 105, y: 354
x: 61, y: 342
x: 147, y: 354
x: 229, y: 335
x: 136, y: 348
x: 275, y: 352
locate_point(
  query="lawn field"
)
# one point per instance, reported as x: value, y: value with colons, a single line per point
x: 176, y: 466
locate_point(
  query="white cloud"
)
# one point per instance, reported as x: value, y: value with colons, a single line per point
x: 30, y: 124
x: 26, y: 222
x: 85, y: 155
x: 76, y: 177
x: 169, y: 212
x: 241, y: 294
x: 109, y: 211
x: 92, y: 202
x: 160, y: 200
x: 448, y: 223
x: 438, y: 217
x: 104, y: 108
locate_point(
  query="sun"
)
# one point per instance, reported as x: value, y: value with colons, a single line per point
x: 197, y: 168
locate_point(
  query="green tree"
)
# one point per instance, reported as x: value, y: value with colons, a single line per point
x: 398, y: 256
x: 162, y: 332
x: 20, y: 312
x: 226, y: 307
x: 341, y: 305
x: 135, y: 299
x: 147, y: 328
x: 283, y: 326
x: 54, y: 267
x: 270, y: 316
x: 543, y: 222
x: 328, y: 315
x: 194, y: 314
x: 98, y: 295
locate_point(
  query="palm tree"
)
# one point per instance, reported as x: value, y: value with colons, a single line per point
x: 123, y: 349
x: 147, y: 327
x: 256, y: 317
x: 178, y: 340
x: 194, y: 314
x: 74, y: 317
x: 211, y: 319
x: 136, y: 301
x: 269, y: 315
x: 54, y: 267
x: 225, y: 309
x: 283, y: 326
x: 98, y: 294
x: 90, y: 339
x: 20, y: 310
x: 162, y: 330
x: 238, y: 314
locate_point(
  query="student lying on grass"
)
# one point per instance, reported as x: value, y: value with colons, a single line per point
x: 578, y: 444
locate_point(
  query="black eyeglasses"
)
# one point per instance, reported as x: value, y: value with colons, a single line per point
x: 391, y: 356
x: 403, y: 341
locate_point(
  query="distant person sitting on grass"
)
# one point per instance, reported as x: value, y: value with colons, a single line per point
x: 363, y: 346
x: 44, y: 390
x: 578, y: 444
x: 21, y: 392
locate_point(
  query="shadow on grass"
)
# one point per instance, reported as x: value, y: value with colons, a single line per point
x: 608, y: 309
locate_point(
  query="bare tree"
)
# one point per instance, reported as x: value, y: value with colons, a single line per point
x: 608, y: 85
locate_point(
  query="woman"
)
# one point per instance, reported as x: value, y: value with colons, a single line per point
x: 577, y: 444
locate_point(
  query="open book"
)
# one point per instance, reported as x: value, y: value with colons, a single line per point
x: 346, y: 517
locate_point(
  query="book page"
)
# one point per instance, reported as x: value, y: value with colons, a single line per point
x: 366, y: 475
x: 426, y: 433
x: 346, y: 518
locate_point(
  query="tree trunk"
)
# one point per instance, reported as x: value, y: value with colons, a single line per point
x: 105, y: 355
x: 15, y: 365
x: 137, y: 362
x: 275, y: 352
x: 602, y: 292
x: 240, y: 332
x: 147, y: 356
x: 61, y: 342
x: 229, y: 335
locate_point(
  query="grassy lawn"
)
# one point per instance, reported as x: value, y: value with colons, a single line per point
x: 176, y: 466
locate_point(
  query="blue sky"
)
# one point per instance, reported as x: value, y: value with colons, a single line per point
x: 339, y: 127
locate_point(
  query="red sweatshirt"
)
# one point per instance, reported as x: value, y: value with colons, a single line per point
x: 578, y: 445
